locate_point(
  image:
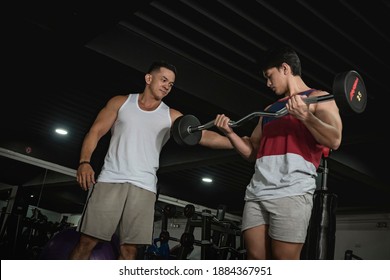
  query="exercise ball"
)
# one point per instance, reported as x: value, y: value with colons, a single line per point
x: 61, y: 245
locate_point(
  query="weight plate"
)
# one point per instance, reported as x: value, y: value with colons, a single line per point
x: 180, y: 132
x: 350, y: 92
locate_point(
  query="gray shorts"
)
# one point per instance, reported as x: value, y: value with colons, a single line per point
x: 288, y: 217
x: 119, y: 204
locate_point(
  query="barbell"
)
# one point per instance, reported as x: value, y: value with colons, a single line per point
x: 349, y: 92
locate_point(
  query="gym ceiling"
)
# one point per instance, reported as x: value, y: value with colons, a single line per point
x: 65, y: 60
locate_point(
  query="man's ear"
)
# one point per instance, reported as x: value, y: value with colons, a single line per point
x: 286, y: 68
x: 148, y: 78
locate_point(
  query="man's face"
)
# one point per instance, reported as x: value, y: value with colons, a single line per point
x: 161, y: 81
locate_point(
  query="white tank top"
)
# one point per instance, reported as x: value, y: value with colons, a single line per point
x: 137, y: 138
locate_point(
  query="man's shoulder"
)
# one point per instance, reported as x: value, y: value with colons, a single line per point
x: 318, y: 92
x: 174, y: 114
x: 117, y: 100
x: 120, y: 98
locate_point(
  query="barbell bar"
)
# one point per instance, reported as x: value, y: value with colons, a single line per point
x: 349, y: 92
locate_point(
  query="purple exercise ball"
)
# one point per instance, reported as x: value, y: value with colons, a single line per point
x: 61, y: 245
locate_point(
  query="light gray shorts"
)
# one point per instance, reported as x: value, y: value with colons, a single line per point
x: 288, y: 217
x: 119, y: 204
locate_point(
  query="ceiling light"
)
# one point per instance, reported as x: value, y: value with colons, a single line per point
x: 61, y: 131
x: 207, y: 180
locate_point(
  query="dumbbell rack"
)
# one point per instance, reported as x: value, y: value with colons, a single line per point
x: 218, y: 236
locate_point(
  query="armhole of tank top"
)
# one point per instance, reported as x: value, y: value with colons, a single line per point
x: 169, y: 116
x: 128, y: 99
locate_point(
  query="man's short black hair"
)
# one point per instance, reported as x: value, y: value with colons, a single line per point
x: 158, y: 64
x: 278, y: 55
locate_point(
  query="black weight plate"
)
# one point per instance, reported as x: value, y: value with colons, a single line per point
x: 350, y: 92
x: 180, y: 132
x: 189, y: 210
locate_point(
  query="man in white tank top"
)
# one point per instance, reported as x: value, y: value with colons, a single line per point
x: 124, y: 194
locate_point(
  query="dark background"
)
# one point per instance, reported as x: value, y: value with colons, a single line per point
x: 65, y: 60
